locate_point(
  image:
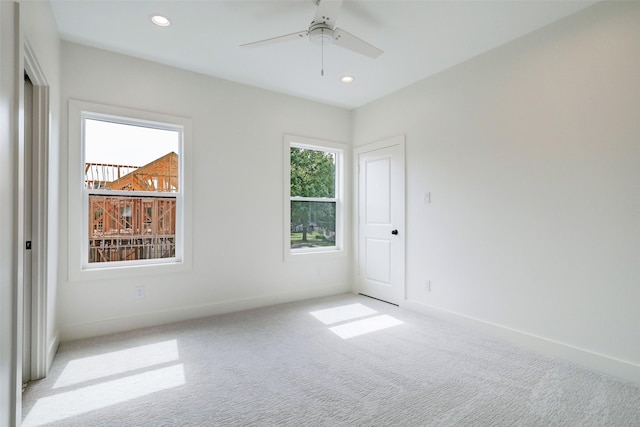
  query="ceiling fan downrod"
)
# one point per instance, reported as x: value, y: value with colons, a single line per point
x: 322, y: 55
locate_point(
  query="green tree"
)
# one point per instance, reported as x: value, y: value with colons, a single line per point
x: 312, y: 175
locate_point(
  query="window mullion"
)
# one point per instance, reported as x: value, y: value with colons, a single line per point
x: 95, y: 192
x: 314, y: 199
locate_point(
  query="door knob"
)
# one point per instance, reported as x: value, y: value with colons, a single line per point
x: 394, y: 232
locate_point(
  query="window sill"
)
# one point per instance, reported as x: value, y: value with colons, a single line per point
x: 124, y: 271
x: 315, y: 255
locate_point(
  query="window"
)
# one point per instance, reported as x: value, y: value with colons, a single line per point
x: 129, y: 199
x: 313, y: 184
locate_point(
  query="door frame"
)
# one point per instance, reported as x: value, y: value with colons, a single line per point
x: 398, y: 140
x: 40, y: 214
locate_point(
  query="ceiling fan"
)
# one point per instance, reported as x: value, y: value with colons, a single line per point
x: 323, y: 30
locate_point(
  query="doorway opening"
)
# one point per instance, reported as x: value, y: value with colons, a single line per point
x: 34, y: 219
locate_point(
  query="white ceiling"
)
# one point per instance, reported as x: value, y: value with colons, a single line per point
x: 419, y: 38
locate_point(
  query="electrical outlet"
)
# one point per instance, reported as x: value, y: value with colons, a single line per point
x: 427, y: 285
x: 138, y: 291
x: 427, y: 198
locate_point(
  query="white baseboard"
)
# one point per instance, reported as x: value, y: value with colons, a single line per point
x: 108, y: 326
x: 51, y: 351
x: 621, y: 369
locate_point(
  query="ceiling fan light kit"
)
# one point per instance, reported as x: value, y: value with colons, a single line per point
x: 323, y: 31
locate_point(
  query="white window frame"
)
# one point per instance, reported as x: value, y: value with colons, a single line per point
x: 340, y: 152
x: 79, y: 267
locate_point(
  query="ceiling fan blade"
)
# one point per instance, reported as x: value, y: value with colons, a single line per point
x: 328, y: 12
x: 349, y: 41
x: 279, y: 39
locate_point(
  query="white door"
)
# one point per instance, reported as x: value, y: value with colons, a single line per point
x: 381, y: 220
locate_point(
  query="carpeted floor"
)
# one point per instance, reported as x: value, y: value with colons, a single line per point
x: 339, y: 361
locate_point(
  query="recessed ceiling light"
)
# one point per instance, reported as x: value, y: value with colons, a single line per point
x: 160, y: 20
x: 346, y: 79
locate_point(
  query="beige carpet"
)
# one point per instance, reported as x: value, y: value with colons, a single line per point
x: 338, y: 361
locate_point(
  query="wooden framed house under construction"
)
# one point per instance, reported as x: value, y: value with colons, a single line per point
x: 140, y: 226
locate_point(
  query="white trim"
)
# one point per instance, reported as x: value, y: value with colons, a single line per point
x: 625, y: 370
x: 11, y: 75
x: 40, y: 222
x: 378, y: 145
x: 78, y: 269
x: 339, y: 199
x: 52, y: 350
x: 120, y: 324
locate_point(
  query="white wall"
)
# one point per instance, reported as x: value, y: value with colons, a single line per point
x: 237, y: 195
x: 531, y: 153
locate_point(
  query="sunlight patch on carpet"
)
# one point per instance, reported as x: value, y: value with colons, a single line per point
x: 343, y: 313
x: 82, y: 400
x: 117, y: 362
x: 365, y: 326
